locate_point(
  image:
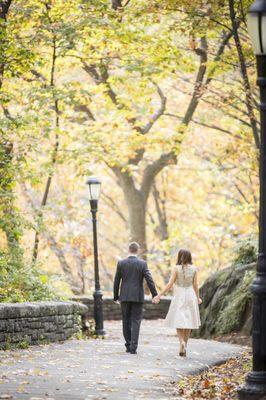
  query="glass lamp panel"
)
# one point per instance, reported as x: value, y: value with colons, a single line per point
x: 95, y: 189
x: 263, y: 34
x: 253, y: 29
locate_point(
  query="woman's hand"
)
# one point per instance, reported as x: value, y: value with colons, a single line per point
x: 199, y: 300
x: 156, y: 299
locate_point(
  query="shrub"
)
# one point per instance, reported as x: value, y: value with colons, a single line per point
x: 19, y: 283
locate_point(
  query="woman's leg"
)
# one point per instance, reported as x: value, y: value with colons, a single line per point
x: 187, y: 334
x: 180, y: 334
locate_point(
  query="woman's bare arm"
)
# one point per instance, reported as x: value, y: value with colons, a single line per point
x: 196, y: 287
x: 169, y: 285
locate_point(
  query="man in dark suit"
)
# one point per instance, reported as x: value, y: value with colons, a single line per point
x: 130, y: 273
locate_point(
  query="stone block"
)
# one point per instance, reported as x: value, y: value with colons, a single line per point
x: 18, y: 325
x: 60, y: 319
x: 2, y: 325
x: 18, y: 337
x: 9, y: 326
x: 34, y: 336
x: 3, y: 345
x: 68, y: 324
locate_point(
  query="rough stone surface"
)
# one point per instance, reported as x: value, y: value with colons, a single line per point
x: 227, y: 301
x: 112, y: 311
x: 31, y: 323
x: 101, y: 370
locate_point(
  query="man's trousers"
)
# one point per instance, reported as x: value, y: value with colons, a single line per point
x: 132, y: 316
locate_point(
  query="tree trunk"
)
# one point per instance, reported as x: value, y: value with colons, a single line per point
x: 9, y: 220
x: 161, y: 213
x: 243, y: 69
x: 137, y: 221
x: 136, y: 204
x: 4, y: 8
x: 54, y: 154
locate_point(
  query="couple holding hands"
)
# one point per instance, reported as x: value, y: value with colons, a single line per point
x: 183, y: 314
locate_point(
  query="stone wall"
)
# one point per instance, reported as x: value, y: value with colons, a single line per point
x: 22, y: 324
x: 112, y: 311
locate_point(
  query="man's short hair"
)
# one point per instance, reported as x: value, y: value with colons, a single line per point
x: 134, y: 247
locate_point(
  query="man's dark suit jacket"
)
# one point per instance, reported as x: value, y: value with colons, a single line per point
x: 131, y: 271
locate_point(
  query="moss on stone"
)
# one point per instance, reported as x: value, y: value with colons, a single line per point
x: 221, y: 277
x: 226, y: 304
x: 234, y: 306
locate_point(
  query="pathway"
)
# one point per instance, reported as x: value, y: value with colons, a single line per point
x: 101, y: 370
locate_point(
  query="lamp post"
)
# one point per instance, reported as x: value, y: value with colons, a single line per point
x: 94, y: 195
x: 255, y: 387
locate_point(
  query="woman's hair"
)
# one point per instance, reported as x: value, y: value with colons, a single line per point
x: 184, y: 257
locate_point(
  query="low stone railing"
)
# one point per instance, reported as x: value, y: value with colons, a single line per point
x: 23, y: 324
x: 112, y: 311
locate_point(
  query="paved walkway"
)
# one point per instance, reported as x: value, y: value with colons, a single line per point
x: 100, y: 369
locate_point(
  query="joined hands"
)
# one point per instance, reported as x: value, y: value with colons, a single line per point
x: 156, y: 299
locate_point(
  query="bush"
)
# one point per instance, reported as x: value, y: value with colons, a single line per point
x: 246, y: 251
x: 19, y: 283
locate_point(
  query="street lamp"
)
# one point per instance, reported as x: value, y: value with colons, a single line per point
x: 94, y: 195
x: 255, y: 387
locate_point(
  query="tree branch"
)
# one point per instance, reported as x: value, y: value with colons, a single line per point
x: 244, y: 73
x: 157, y: 113
x: 85, y: 109
x: 210, y: 126
x: 101, y: 77
x: 52, y: 243
x: 165, y: 159
x: 111, y: 203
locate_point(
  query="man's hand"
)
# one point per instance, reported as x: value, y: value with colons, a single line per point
x: 117, y: 302
x: 156, y: 300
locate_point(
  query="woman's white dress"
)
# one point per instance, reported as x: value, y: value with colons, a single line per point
x: 184, y: 309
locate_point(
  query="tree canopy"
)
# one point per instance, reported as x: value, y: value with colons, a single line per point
x: 158, y: 99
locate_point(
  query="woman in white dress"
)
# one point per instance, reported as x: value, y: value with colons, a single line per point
x: 183, y: 314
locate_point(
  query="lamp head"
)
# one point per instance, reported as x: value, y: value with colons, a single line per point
x: 256, y: 20
x: 94, y: 188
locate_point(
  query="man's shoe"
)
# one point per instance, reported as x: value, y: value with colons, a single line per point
x: 133, y: 351
x: 127, y: 350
